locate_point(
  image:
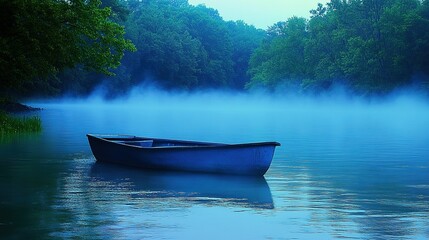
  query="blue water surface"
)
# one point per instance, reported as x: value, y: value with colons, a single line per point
x: 346, y: 169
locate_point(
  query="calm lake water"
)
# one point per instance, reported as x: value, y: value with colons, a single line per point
x: 344, y: 170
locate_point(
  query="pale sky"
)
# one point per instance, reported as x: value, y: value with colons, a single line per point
x: 261, y: 13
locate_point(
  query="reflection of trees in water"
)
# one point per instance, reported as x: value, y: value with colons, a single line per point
x: 381, y: 199
x: 80, y: 210
x: 28, y: 182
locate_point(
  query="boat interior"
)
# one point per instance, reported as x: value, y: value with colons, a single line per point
x: 149, y: 143
x: 144, y: 142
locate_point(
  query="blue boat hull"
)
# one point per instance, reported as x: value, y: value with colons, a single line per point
x: 163, y: 154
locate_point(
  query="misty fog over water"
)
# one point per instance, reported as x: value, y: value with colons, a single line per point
x: 347, y: 167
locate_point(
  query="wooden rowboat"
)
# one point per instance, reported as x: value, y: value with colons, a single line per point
x: 166, y: 154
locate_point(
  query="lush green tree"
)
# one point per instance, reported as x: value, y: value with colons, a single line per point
x: 419, y: 36
x: 189, y: 46
x: 166, y: 50
x: 69, y: 46
x: 377, y: 56
x: 245, y: 39
x: 372, y: 46
x: 326, y: 41
x: 39, y: 38
x: 178, y: 46
x: 205, y: 25
x: 280, y: 59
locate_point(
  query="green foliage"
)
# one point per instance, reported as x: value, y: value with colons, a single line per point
x: 205, y: 25
x: 39, y: 38
x: 371, y: 46
x: 9, y: 124
x: 280, y: 59
x: 63, y: 46
x: 244, y: 39
x: 67, y: 46
x: 189, y: 47
x: 166, y: 49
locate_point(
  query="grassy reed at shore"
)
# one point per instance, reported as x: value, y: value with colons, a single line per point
x: 12, y: 124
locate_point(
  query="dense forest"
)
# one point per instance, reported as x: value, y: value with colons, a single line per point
x: 179, y: 46
x: 369, y: 46
x: 53, y: 47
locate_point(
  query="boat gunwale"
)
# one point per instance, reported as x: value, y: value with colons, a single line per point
x: 204, y: 145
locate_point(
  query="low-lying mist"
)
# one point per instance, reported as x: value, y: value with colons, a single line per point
x: 405, y: 110
x: 331, y: 126
x: 403, y: 103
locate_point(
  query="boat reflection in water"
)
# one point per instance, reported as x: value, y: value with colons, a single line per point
x: 249, y: 192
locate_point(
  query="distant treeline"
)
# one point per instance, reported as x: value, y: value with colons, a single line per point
x: 179, y: 46
x: 56, y: 47
x: 369, y: 46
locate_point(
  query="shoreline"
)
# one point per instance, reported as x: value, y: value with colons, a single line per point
x: 8, y: 106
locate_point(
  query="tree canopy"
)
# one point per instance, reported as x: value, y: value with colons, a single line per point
x: 369, y: 46
x: 179, y: 46
x: 189, y: 46
x: 73, y: 46
x: 40, y: 38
